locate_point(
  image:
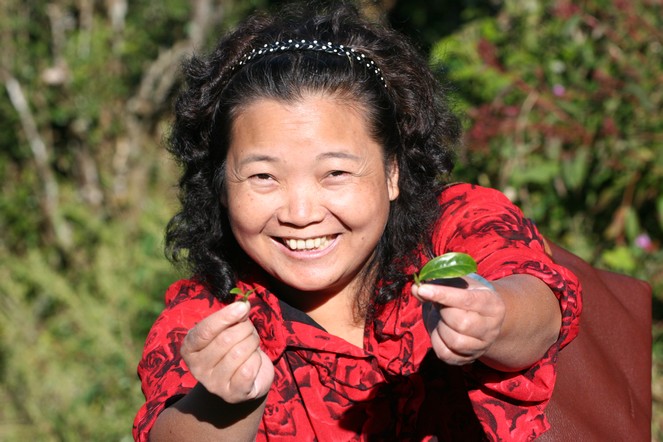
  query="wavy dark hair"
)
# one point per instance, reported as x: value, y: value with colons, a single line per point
x: 410, y: 117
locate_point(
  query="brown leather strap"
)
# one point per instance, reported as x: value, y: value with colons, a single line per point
x: 603, y: 389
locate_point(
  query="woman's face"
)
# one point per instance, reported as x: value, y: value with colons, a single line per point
x: 308, y: 192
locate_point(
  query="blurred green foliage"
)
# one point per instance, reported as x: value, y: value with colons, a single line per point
x: 562, y: 109
x: 71, y: 335
x: 86, y: 191
x: 563, y: 115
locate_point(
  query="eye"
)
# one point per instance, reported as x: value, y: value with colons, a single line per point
x: 262, y: 181
x: 261, y: 177
x: 338, y: 177
x: 338, y: 173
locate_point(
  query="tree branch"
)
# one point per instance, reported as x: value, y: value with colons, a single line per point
x: 156, y: 86
x: 49, y: 193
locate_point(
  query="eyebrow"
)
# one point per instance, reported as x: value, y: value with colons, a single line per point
x: 257, y: 158
x: 341, y: 155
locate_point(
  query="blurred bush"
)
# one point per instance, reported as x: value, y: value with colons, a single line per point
x: 563, y: 105
x: 564, y: 115
x: 85, y: 193
x: 71, y: 336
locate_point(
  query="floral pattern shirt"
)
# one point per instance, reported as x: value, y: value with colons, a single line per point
x: 394, y: 388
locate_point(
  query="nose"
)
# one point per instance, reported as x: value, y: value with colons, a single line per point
x: 302, y: 205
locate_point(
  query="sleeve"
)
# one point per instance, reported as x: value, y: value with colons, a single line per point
x: 486, y: 225
x: 163, y: 374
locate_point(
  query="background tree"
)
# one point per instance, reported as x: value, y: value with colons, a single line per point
x: 562, y: 111
x: 86, y: 192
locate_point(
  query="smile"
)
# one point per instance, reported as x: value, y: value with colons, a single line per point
x: 307, y: 244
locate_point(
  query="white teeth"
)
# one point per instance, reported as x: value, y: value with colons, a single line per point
x: 307, y: 244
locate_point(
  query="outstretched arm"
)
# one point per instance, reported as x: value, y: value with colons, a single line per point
x: 508, y: 326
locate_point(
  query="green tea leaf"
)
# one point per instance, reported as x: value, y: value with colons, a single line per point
x: 449, y: 265
x: 244, y: 295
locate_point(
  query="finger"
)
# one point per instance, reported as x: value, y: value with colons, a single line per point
x: 209, y: 328
x: 241, y: 352
x: 457, y: 282
x: 242, y: 367
x: 462, y: 321
x: 254, y: 378
x: 471, y: 324
x: 265, y: 375
x: 454, y: 347
x: 243, y: 380
x: 477, y: 297
x: 448, y: 354
x: 220, y: 376
x: 208, y: 357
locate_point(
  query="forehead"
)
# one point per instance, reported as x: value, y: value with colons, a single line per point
x: 314, y: 124
x: 309, y: 114
x: 344, y: 101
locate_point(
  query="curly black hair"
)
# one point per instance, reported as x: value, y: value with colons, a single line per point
x: 408, y: 113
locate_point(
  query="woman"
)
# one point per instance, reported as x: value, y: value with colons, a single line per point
x: 313, y: 146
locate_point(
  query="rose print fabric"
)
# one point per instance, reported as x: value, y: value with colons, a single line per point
x: 394, y: 388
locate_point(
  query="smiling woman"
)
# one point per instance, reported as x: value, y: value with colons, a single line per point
x: 308, y: 196
x: 314, y: 146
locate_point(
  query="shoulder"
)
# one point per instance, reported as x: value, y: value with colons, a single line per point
x: 465, y: 193
x: 187, y: 302
x: 470, y: 211
x: 189, y: 291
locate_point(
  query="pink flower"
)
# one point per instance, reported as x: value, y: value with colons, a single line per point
x: 643, y: 241
x: 558, y: 90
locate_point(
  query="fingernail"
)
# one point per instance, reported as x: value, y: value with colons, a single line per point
x: 239, y: 308
x: 425, y: 292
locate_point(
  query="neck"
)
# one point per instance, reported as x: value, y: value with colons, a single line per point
x: 339, y: 317
x: 338, y: 312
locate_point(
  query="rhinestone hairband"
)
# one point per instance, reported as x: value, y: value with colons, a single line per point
x: 315, y: 45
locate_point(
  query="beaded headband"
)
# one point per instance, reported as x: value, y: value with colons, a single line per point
x: 315, y: 45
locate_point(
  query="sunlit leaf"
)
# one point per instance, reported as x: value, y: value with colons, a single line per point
x: 449, y: 265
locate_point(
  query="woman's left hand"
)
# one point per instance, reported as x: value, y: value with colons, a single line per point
x: 463, y: 322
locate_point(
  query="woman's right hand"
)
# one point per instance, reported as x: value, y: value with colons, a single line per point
x: 223, y: 353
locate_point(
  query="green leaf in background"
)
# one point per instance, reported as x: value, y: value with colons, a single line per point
x: 631, y: 224
x: 620, y: 259
x: 536, y: 170
x: 574, y: 168
x: 449, y: 265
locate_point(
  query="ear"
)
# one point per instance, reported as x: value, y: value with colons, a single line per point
x: 392, y: 180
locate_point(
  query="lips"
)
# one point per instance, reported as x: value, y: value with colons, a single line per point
x: 308, y: 244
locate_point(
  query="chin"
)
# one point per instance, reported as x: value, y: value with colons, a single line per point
x: 311, y: 286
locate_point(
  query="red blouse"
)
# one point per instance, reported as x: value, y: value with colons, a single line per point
x: 394, y: 388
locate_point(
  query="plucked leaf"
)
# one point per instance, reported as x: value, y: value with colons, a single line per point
x: 449, y: 265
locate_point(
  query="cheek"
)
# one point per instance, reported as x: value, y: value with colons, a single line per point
x: 366, y: 207
x: 245, y: 213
